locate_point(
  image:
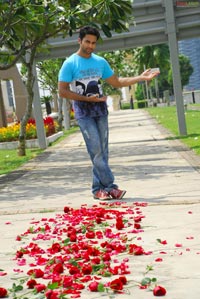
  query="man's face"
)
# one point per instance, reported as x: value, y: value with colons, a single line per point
x: 88, y: 44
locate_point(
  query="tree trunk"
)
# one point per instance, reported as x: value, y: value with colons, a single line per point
x: 3, y: 121
x: 55, y: 102
x: 60, y: 113
x: 27, y: 115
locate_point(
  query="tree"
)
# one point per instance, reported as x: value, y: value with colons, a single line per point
x: 154, y: 56
x: 186, y: 71
x: 26, y: 25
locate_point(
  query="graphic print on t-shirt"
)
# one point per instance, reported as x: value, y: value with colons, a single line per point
x: 89, y: 87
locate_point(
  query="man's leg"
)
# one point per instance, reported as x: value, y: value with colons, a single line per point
x: 95, y: 133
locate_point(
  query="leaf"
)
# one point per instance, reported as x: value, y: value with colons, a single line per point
x: 101, y: 287
x: 53, y: 286
x: 106, y: 30
x: 146, y: 281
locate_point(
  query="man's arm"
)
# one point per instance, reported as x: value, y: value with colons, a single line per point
x: 65, y: 92
x: 119, y: 82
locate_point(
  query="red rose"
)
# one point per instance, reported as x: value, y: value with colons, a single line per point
x: 56, y: 248
x: 72, y: 238
x: 31, y: 283
x: 93, y: 286
x: 159, y: 291
x: 67, y: 281
x: 40, y: 287
x: 119, y: 223
x: 51, y: 294
x: 73, y: 270
x: 90, y: 235
x: 66, y: 209
x: 58, y: 268
x: 123, y: 279
x: 135, y: 249
x: 3, y: 293
x: 37, y: 273
x: 116, y: 285
x: 138, y: 218
x: 137, y: 225
x: 87, y: 269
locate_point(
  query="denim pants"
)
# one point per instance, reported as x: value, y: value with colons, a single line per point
x: 95, y: 134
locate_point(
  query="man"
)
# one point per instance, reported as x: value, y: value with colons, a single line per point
x: 86, y: 69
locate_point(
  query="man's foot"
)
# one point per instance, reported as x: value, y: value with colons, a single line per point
x: 102, y: 195
x: 117, y: 193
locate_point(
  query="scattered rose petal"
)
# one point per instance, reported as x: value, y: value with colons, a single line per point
x: 178, y: 245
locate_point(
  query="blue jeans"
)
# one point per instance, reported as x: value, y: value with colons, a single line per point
x: 95, y: 134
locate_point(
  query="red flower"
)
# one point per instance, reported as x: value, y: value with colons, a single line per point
x: 90, y: 235
x: 137, y: 225
x: 72, y: 238
x: 119, y: 223
x: 138, y: 218
x: 93, y: 286
x: 58, y: 268
x: 116, y: 285
x: 31, y: 283
x: 87, y: 269
x: 123, y: 279
x: 55, y: 248
x: 40, y: 287
x: 67, y: 281
x: 73, y: 270
x: 51, y: 294
x: 3, y: 293
x: 159, y: 291
x: 37, y: 273
x: 67, y: 209
x: 135, y: 249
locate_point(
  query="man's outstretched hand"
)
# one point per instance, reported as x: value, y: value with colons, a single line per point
x: 149, y: 74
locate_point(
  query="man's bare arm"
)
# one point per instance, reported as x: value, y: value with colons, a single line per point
x: 119, y: 82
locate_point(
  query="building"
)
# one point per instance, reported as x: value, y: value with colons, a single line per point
x: 191, y: 49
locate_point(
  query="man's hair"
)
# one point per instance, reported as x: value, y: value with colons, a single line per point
x: 88, y: 30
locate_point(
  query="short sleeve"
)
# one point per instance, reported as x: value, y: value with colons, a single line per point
x: 65, y: 73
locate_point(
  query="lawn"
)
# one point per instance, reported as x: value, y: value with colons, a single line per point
x: 167, y: 117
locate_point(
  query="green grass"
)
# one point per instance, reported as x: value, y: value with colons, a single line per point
x: 167, y: 117
x: 10, y: 161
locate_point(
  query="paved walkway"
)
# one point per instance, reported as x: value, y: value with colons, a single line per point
x: 152, y: 169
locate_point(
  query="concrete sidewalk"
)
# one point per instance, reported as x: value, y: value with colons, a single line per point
x: 162, y: 173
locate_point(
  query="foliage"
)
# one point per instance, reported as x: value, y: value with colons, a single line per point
x: 48, y: 74
x: 167, y: 117
x: 28, y: 24
x: 186, y: 70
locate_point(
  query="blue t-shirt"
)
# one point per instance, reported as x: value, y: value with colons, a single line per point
x: 84, y: 75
